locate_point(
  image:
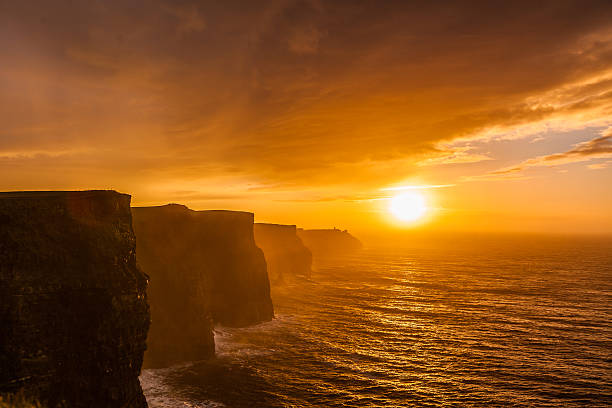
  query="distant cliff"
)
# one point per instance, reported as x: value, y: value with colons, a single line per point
x: 284, y: 251
x: 329, y: 241
x: 73, y: 308
x: 205, y: 268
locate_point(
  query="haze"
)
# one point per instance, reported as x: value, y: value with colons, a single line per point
x: 315, y: 113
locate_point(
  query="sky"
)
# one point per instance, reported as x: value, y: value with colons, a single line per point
x: 317, y: 112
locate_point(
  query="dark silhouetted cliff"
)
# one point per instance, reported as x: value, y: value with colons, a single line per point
x: 204, y: 268
x: 329, y: 241
x: 285, y: 253
x: 171, y: 248
x: 73, y: 308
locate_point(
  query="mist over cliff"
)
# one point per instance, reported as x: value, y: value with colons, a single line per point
x: 205, y: 268
x: 285, y: 252
x: 325, y: 242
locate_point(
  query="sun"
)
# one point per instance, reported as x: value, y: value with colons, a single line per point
x: 408, y: 206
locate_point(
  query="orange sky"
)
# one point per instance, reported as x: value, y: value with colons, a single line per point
x: 306, y: 111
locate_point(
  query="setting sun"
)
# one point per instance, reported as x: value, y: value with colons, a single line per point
x: 409, y: 206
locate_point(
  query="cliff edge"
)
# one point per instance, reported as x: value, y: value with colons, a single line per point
x: 285, y: 252
x: 73, y: 308
x: 205, y: 268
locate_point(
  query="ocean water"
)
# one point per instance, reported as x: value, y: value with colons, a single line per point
x: 459, y: 322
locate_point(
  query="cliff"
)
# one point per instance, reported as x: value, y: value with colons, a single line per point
x: 169, y: 248
x: 284, y: 251
x: 205, y: 268
x: 73, y: 308
x: 329, y: 241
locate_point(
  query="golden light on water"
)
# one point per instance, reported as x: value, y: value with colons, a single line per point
x: 408, y: 206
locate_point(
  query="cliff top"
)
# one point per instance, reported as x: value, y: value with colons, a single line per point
x: 210, y: 215
x: 181, y: 207
x: 275, y: 226
x: 322, y: 230
x: 166, y: 207
x: 57, y: 194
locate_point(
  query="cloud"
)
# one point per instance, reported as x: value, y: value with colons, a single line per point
x: 190, y: 19
x: 597, y: 148
x: 294, y: 93
x: 454, y: 155
x: 495, y: 176
x: 417, y: 187
x: 305, y: 40
x: 200, y: 196
x: 599, y: 166
x: 38, y: 154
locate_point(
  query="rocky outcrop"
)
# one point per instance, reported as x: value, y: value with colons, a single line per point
x: 329, y: 241
x: 73, y: 307
x: 205, y: 268
x: 285, y: 253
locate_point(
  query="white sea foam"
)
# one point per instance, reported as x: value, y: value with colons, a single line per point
x: 160, y: 395
x: 236, y: 342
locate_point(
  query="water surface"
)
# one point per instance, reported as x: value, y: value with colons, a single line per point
x: 478, y: 322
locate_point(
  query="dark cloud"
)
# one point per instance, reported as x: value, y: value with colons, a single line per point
x: 288, y: 91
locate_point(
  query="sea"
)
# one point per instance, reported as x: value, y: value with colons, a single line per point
x: 519, y: 321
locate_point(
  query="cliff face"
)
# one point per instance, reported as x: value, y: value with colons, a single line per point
x: 169, y: 248
x: 329, y: 241
x: 73, y: 309
x: 240, y: 284
x: 204, y: 268
x: 284, y: 251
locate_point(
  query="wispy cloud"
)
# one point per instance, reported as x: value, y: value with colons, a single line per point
x: 36, y: 154
x: 189, y: 18
x: 454, y: 155
x: 596, y: 148
x: 495, y: 177
x: 599, y: 166
x: 417, y: 187
x: 305, y: 40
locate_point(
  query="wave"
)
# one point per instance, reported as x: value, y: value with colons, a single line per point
x: 407, y: 329
x: 160, y: 394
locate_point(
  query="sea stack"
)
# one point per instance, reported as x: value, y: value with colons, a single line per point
x: 285, y: 253
x: 205, y: 268
x: 73, y: 308
x: 326, y: 242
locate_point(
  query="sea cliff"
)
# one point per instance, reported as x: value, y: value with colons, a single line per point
x: 329, y: 241
x: 205, y: 268
x: 73, y: 308
x: 285, y: 252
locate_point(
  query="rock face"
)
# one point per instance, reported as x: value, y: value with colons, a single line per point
x: 285, y: 253
x: 170, y: 249
x: 329, y: 241
x: 205, y: 268
x: 73, y: 308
